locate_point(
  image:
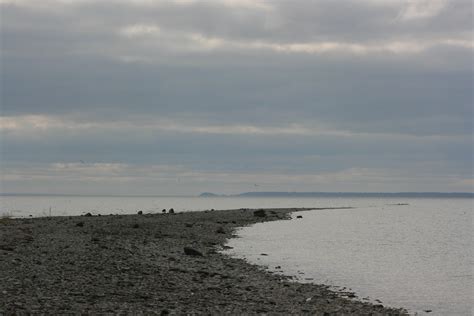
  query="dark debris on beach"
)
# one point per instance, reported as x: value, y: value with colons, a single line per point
x: 150, y: 264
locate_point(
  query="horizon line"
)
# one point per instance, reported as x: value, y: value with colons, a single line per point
x: 240, y: 194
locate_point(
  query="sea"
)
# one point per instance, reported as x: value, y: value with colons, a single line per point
x: 410, y: 252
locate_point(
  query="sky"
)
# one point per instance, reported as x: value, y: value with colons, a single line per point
x: 229, y: 96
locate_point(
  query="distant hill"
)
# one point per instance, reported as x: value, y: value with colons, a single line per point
x: 350, y: 194
x: 208, y: 194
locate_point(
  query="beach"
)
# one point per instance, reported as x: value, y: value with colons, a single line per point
x: 151, y: 264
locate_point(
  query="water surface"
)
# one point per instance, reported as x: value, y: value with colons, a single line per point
x: 24, y: 206
x: 417, y: 256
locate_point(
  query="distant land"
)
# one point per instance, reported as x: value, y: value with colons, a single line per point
x: 270, y: 194
x: 348, y: 194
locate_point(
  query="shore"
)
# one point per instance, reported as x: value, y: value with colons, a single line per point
x: 151, y: 264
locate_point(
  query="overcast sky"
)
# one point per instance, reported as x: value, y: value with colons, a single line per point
x: 228, y: 96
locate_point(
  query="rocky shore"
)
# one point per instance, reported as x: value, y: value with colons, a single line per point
x: 150, y: 264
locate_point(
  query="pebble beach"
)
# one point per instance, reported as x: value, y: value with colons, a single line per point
x: 162, y: 264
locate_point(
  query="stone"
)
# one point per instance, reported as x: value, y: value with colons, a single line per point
x: 163, y: 211
x: 192, y: 252
x: 80, y: 224
x: 299, y: 216
x: 140, y: 213
x: 220, y: 230
x: 136, y: 226
x: 259, y: 213
x: 6, y: 248
x: 171, y: 211
x: 88, y: 215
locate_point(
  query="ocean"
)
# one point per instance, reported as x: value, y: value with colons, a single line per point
x: 406, y: 252
x: 417, y: 256
x: 51, y: 205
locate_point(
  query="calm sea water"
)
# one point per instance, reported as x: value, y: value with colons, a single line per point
x: 417, y: 256
x: 24, y: 206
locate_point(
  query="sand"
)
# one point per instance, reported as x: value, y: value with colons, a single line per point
x: 137, y: 264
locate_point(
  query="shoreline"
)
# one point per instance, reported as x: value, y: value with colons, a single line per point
x: 153, y: 264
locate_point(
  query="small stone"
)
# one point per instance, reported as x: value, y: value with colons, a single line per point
x: 171, y: 211
x: 428, y: 310
x: 192, y: 252
x: 80, y: 224
x: 88, y: 215
x: 163, y: 211
x: 299, y: 216
x: 259, y: 213
x: 140, y: 213
x: 136, y: 226
x: 220, y: 230
x: 6, y: 248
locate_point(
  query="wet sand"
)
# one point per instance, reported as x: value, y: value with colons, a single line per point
x: 151, y: 264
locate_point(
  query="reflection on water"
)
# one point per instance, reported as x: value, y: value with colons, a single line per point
x: 417, y: 256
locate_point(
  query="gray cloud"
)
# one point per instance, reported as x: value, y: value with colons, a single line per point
x: 231, y: 86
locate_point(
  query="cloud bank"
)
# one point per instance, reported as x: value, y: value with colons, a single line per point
x: 321, y: 95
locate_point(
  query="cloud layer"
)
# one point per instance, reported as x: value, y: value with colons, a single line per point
x: 304, y: 95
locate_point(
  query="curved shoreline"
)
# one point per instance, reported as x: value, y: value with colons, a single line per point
x: 138, y: 264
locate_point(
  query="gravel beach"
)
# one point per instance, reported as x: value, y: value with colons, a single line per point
x: 151, y: 264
